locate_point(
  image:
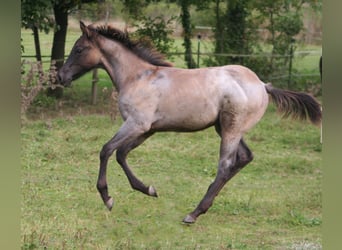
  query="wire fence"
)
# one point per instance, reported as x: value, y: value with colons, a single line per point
x: 310, y: 70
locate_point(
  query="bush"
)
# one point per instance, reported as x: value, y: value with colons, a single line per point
x: 33, y: 82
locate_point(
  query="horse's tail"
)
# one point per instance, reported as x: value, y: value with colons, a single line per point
x: 298, y: 105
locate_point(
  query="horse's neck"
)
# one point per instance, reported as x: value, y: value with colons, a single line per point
x: 121, y: 64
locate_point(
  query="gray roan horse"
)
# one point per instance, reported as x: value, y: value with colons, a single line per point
x: 154, y: 97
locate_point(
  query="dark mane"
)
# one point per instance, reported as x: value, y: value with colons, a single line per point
x: 141, y: 48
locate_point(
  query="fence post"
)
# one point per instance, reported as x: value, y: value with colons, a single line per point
x: 198, y: 49
x: 290, y: 64
x: 94, y: 87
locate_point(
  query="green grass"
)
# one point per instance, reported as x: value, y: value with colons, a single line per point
x: 274, y: 203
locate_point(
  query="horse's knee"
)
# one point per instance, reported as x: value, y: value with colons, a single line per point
x: 106, y: 152
x: 103, y: 153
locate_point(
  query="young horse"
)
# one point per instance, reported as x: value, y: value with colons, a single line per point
x: 154, y: 96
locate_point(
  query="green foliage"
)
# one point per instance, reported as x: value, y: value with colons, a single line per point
x: 283, y: 21
x: 94, y: 11
x: 185, y: 19
x: 235, y: 37
x: 135, y: 7
x: 44, y: 101
x: 289, y: 25
x: 36, y: 13
x: 236, y: 33
x: 158, y: 30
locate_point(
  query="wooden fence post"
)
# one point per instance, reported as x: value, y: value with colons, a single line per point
x: 289, y: 82
x: 94, y: 87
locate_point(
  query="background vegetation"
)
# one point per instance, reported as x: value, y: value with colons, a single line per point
x: 262, y: 35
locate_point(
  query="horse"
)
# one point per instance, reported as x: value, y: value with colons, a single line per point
x: 154, y: 96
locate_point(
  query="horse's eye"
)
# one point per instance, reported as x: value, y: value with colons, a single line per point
x: 79, y: 50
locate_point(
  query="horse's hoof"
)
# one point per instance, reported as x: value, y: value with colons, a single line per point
x: 189, y: 219
x: 152, y: 191
x: 109, y: 203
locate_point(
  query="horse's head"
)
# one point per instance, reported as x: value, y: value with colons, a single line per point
x: 83, y: 57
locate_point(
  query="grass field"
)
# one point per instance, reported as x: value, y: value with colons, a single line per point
x: 274, y: 203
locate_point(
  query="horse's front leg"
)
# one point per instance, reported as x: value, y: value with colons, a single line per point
x: 126, y: 134
x: 121, y: 155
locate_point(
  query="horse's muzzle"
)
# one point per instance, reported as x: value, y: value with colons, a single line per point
x: 63, y: 79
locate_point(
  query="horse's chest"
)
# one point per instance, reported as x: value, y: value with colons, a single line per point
x: 137, y: 103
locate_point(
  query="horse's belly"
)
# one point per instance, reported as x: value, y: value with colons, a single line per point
x: 186, y: 117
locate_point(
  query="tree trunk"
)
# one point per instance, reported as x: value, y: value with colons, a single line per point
x: 58, y: 46
x: 219, y: 35
x: 37, y: 43
x: 218, y: 30
x: 59, y: 37
x: 235, y: 21
x: 38, y: 51
x: 185, y: 17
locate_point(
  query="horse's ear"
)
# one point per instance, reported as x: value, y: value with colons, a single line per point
x: 85, y: 29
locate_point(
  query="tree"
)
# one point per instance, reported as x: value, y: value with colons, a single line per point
x: 232, y: 31
x: 185, y: 17
x: 283, y: 20
x: 34, y: 16
x: 156, y: 30
x: 236, y: 32
x: 186, y: 23
x: 61, y: 10
x: 219, y: 35
x: 187, y: 26
x: 134, y: 7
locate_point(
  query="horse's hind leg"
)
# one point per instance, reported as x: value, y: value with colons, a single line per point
x: 121, y: 155
x: 234, y: 155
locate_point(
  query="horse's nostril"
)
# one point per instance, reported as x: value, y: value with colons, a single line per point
x: 59, y: 78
